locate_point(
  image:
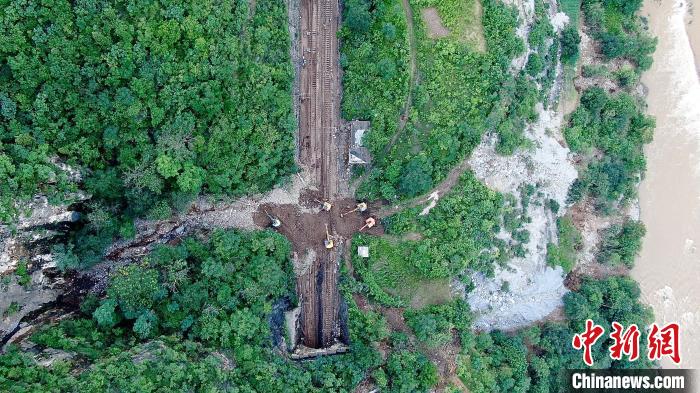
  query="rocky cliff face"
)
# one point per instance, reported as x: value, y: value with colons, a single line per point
x: 527, y: 289
x: 29, y: 278
x: 33, y: 289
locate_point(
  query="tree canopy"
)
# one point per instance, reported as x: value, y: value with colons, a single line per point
x: 150, y: 101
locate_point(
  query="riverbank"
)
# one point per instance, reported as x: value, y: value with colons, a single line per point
x: 668, y: 268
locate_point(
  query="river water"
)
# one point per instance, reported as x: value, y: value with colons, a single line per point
x: 668, y: 268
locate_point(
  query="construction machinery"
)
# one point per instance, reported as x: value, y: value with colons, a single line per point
x: 361, y: 207
x: 274, y: 221
x: 325, y: 205
x: 369, y: 223
x: 328, y: 242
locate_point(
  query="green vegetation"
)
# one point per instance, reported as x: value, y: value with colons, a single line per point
x: 374, y: 57
x: 147, y: 100
x: 615, y: 24
x: 565, y: 252
x: 615, y: 126
x: 495, y: 362
x: 520, y: 95
x: 621, y: 243
x: 457, y: 88
x: 434, y: 325
x: 196, y: 317
x: 410, y: 371
x: 569, y: 53
x: 218, y: 293
x: 605, y: 301
x: 459, y: 233
x: 150, y: 101
x: 22, y: 273
x: 531, y: 360
x: 570, y: 40
x: 572, y: 8
x: 227, y: 342
x: 463, y: 20
x: 12, y: 309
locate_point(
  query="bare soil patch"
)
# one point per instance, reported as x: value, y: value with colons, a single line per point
x: 307, y: 230
x: 306, y: 226
x: 434, y: 23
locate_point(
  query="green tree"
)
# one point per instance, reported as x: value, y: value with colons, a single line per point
x: 416, y: 178
x: 621, y: 243
x: 570, y: 40
x: 135, y: 289
x: 105, y: 314
x: 410, y: 372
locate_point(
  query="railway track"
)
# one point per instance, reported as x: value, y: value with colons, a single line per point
x: 319, y: 123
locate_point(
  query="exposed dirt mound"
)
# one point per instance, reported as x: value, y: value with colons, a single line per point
x: 308, y: 230
x: 432, y: 19
x: 307, y: 225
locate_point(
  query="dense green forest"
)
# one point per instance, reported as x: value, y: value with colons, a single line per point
x: 148, y: 100
x: 612, y: 124
x: 375, y: 60
x: 616, y: 126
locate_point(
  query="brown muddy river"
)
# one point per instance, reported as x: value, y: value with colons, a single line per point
x: 668, y: 268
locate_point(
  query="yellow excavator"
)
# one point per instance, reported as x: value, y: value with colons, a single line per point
x: 369, y: 223
x: 274, y: 221
x: 328, y: 242
x: 325, y: 205
x: 361, y: 207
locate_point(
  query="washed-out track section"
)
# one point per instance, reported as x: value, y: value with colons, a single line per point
x: 319, y: 153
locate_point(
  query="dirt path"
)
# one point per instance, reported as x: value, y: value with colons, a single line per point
x: 413, y: 78
x: 442, y: 189
x: 413, y: 81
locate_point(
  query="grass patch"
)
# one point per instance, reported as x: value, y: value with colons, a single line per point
x: 570, y: 243
x: 392, y: 279
x: 429, y: 292
x: 462, y: 19
x: 572, y: 8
